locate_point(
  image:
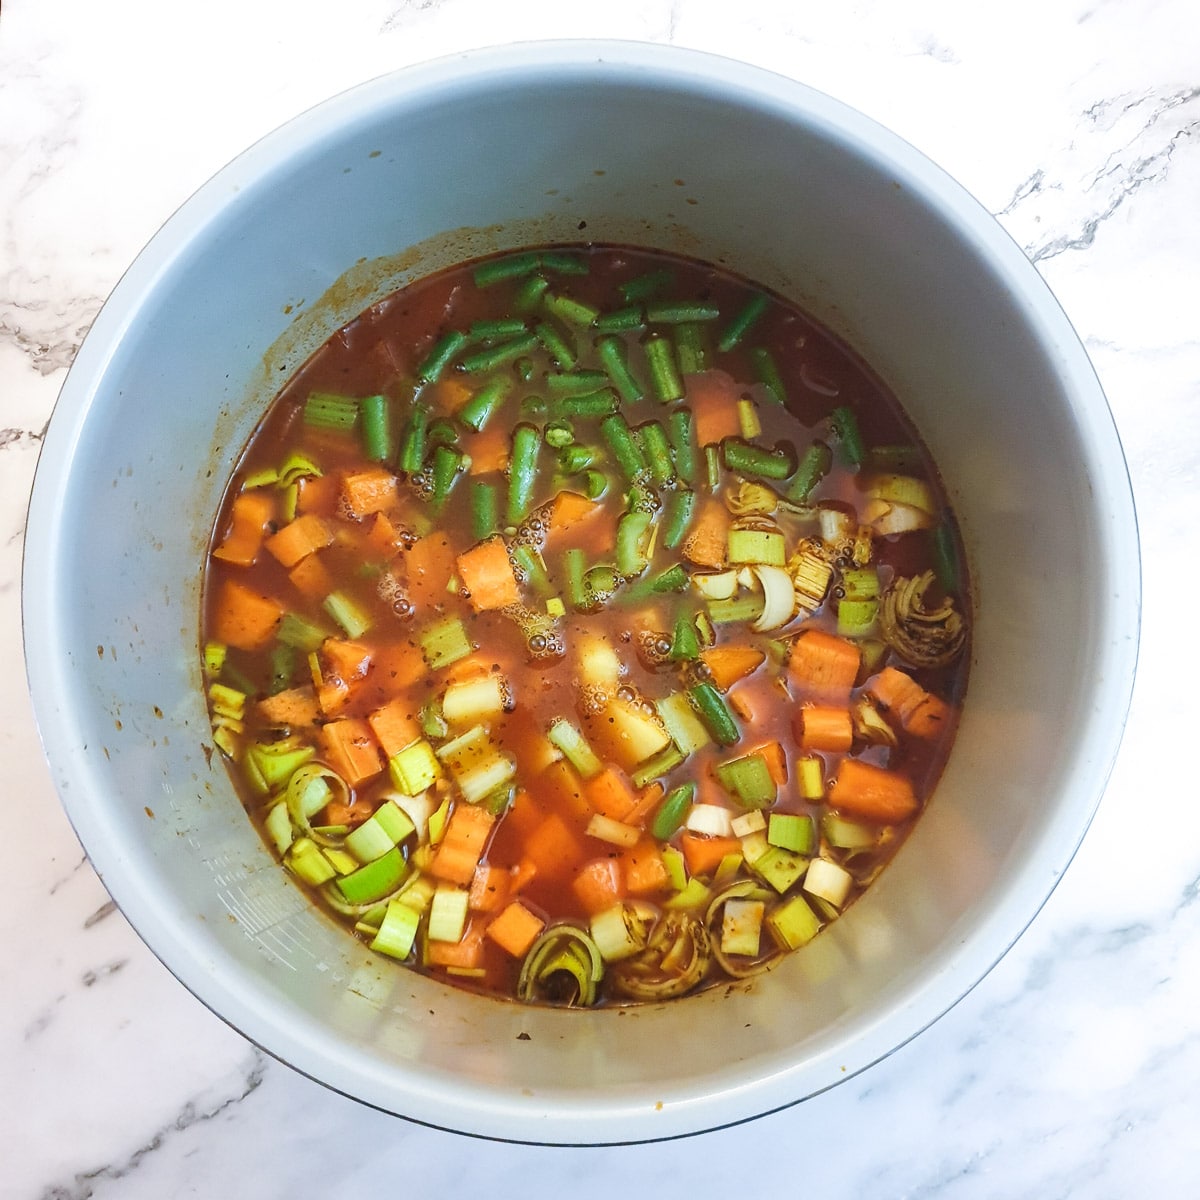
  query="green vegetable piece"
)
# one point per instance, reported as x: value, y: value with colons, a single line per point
x: 375, y: 426
x: 685, y: 644
x: 748, y: 780
x: 814, y: 465
x: 748, y: 459
x: 522, y: 472
x: 844, y: 425
x: 665, y: 380
x: 505, y: 268
x: 375, y: 880
x: 672, y: 812
x: 322, y: 410
x: 440, y: 355
x: 715, y: 714
x: 743, y: 321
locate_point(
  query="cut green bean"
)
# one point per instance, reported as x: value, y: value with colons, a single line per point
x: 615, y: 358
x: 528, y: 298
x: 813, y: 467
x: 569, y: 310
x: 442, y: 432
x: 563, y: 262
x: 743, y: 321
x: 622, y: 443
x: 573, y: 459
x: 902, y: 459
x: 677, y: 517
x: 491, y: 357
x: 691, y: 346
x: 485, y: 512
x: 621, y: 320
x: 657, y: 449
x: 448, y: 463
x: 945, y: 557
x: 679, y: 312
x: 441, y: 354
x: 672, y: 812
x: 557, y: 344
x: 524, y: 368
x: 497, y: 330
x: 557, y: 434
x: 522, y: 472
x: 375, y: 426
x: 633, y: 531
x: 574, y: 383
x: 530, y: 562
x: 589, y: 406
x: 714, y: 713
x: 664, y: 373
x: 412, y: 440
x: 712, y: 467
x: 766, y: 371
x: 323, y: 410
x: 681, y: 431
x: 283, y: 661
x: 685, y: 642
x: 747, y: 459
x: 845, y: 428
x: 483, y: 404
x: 501, y: 270
x: 574, y: 571
x: 673, y: 579
x: 646, y: 285
x: 595, y: 484
x: 600, y: 585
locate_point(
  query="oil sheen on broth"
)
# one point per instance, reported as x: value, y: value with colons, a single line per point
x: 584, y: 626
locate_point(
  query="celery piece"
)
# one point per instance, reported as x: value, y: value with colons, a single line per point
x: 793, y: 923
x: 860, y: 583
x: 479, y: 767
x: 214, y: 657
x: 398, y: 930
x: 445, y: 642
x: 470, y: 701
x: 847, y: 835
x: 414, y: 768
x: 780, y: 868
x: 226, y: 701
x: 448, y: 913
x: 353, y: 620
x: 375, y: 880
x: 574, y: 746
x: 665, y: 761
x: 857, y: 618
x: 746, y: 607
x: 676, y: 867
x: 274, y: 762
x: 298, y: 631
x: 693, y: 896
x: 306, y: 860
x: 750, y: 546
x: 748, y: 780
x: 342, y: 863
x: 437, y: 821
x: 387, y: 827
x: 686, y: 729
x: 791, y: 831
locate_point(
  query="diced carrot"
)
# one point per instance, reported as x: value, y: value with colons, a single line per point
x: 344, y: 660
x: 429, y: 565
x: 647, y: 801
x: 610, y: 793
x: 713, y: 397
x: 872, y: 793
x: 491, y: 888
x: 317, y: 494
x: 776, y: 761
x: 382, y: 536
x: 896, y: 690
x: 554, y: 848
x: 523, y: 874
x: 399, y: 665
x: 490, y: 449
x: 727, y: 664
x: 558, y: 789
x: 742, y: 703
x: 515, y: 929
x: 293, y: 707
x: 312, y: 578
x: 704, y: 854
x: 567, y: 511
x: 644, y: 869
x: 522, y: 817
x: 598, y: 884
x: 394, y: 726
x: 448, y: 394
x: 463, y: 844
x: 823, y: 727
x: 332, y: 696
x: 466, y: 953
x: 706, y: 543
x: 368, y: 491
x: 248, y: 518
x: 244, y: 618
x: 351, y: 750
x: 823, y: 664
x: 488, y: 576
x: 299, y: 538
x: 931, y: 717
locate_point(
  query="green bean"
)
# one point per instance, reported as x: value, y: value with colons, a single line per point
x: 766, y: 371
x: 523, y: 367
x: 657, y: 449
x: 742, y: 322
x: 440, y: 355
x: 497, y: 330
x: 491, y: 357
x: 813, y: 467
x: 616, y: 362
x: 564, y: 262
x: 485, y: 512
x: 645, y: 285
x: 685, y: 642
x: 681, y: 430
x: 664, y: 374
x: 441, y: 433
x: 945, y: 557
x: 375, y: 425
x: 595, y: 484
x: 283, y: 666
x: 632, y: 532
x: 531, y: 563
x: 715, y: 714
x: 590, y: 405
x: 500, y: 270
x: 621, y: 320
x: 569, y: 310
x: 672, y: 812
x: 747, y: 459
x: 528, y: 298
x: 448, y: 462
x: 482, y: 405
x: 626, y: 451
x: 574, y: 383
x: 677, y: 516
x: 600, y: 585
x: 574, y: 570
x: 573, y: 459
x: 522, y: 472
x: 673, y: 579
x: 845, y: 428
x: 558, y: 434
x: 557, y: 345
x: 712, y: 467
x: 692, y: 347
x: 679, y: 312
x: 412, y: 442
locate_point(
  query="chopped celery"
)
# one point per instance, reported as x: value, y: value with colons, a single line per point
x: 445, y: 642
x: 353, y: 619
x: 414, y: 768
x: 375, y: 880
x: 387, y: 827
x: 470, y: 701
x: 857, y: 618
x: 747, y: 607
x: 765, y: 546
x: 398, y: 930
x: 448, y: 913
x: 478, y: 765
x: 793, y: 923
x: 574, y: 746
x: 686, y: 729
x: 780, y: 868
x: 300, y: 632
x: 661, y: 764
x: 810, y: 777
x: 306, y: 860
x: 847, y: 835
x: 214, y: 657
x: 692, y: 896
x: 748, y: 780
x: 676, y: 867
x: 791, y: 831
x: 437, y: 821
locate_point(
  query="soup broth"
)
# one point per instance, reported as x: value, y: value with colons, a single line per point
x: 585, y: 626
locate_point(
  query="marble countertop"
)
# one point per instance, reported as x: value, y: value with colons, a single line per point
x: 1070, y: 1070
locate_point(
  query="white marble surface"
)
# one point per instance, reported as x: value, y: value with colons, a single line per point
x: 1071, y: 1070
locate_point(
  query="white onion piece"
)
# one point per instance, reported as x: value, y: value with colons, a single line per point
x: 779, y: 598
x: 896, y: 518
x: 721, y: 585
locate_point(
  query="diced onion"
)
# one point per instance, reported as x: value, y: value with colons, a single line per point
x: 779, y: 598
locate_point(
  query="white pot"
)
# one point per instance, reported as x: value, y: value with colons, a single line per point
x: 560, y: 142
